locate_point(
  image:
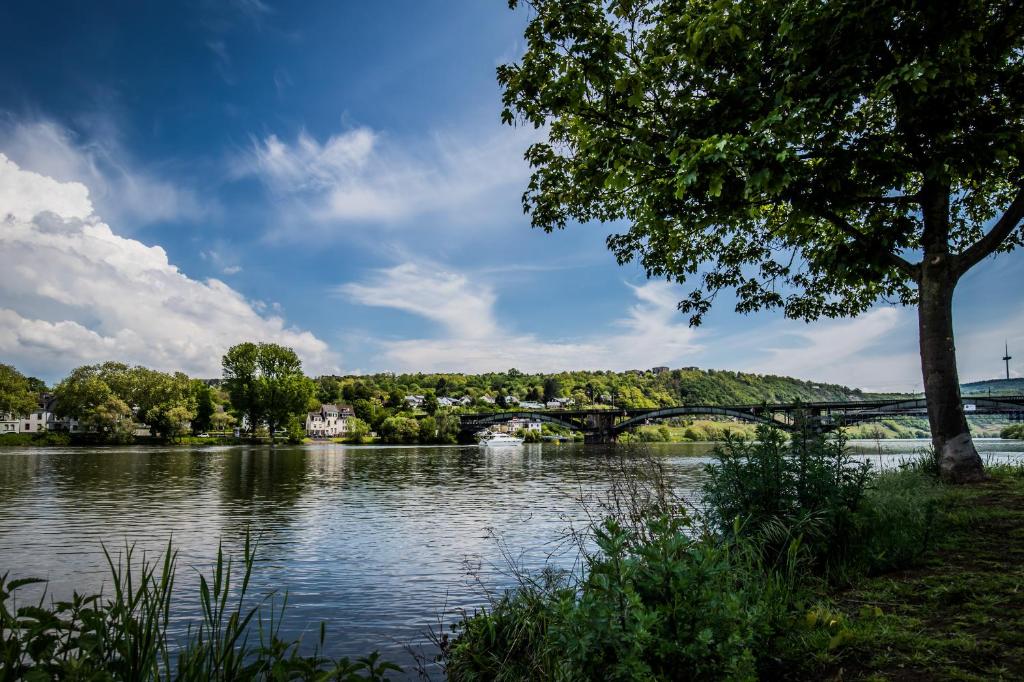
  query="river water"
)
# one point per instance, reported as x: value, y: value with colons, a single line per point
x: 377, y: 542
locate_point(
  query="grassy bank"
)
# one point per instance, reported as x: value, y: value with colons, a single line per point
x: 802, y: 564
x: 956, y: 615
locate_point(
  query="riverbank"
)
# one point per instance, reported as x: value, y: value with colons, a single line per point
x: 800, y: 565
x: 958, y: 615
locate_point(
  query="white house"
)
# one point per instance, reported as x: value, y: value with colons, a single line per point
x: 531, y: 405
x: 445, y: 401
x: 330, y: 421
x: 511, y: 400
x: 465, y: 401
x: 487, y: 399
x: 559, y: 403
x: 414, y: 400
x: 524, y: 424
x: 43, y: 418
x: 8, y: 423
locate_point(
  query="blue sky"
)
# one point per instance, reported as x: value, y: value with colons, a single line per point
x: 333, y: 175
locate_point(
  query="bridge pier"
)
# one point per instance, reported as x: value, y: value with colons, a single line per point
x: 601, y: 427
x: 599, y: 437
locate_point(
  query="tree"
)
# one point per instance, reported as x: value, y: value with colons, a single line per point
x: 16, y: 395
x: 85, y: 396
x: 222, y: 421
x: 430, y: 404
x: 400, y: 429
x: 552, y: 388
x: 358, y: 430
x: 266, y: 383
x: 36, y: 385
x: 241, y: 373
x: 205, y: 407
x: 812, y: 157
x: 327, y: 389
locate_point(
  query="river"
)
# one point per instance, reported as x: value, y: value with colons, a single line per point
x: 377, y: 542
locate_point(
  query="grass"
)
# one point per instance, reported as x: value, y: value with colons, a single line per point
x: 125, y: 634
x: 957, y: 615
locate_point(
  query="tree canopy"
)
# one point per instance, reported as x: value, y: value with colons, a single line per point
x: 16, y: 394
x: 108, y: 397
x: 814, y: 157
x: 266, y: 383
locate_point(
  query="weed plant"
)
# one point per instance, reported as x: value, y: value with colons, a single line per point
x: 126, y: 635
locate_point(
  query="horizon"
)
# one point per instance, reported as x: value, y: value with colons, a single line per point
x: 337, y: 179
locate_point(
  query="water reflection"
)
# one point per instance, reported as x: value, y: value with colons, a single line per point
x: 372, y: 540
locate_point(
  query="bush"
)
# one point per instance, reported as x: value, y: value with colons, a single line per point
x: 1013, y: 431
x: 774, y: 491
x: 664, y: 606
x: 40, y: 438
x: 126, y: 636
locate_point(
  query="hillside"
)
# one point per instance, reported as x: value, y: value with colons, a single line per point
x: 634, y: 388
x: 995, y: 387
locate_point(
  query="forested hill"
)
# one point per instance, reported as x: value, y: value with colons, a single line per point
x: 632, y: 388
x: 995, y: 387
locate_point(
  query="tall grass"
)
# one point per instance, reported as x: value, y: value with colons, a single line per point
x: 127, y: 635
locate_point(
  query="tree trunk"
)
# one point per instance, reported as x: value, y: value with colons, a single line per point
x: 957, y: 457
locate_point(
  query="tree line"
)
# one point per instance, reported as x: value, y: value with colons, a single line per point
x: 263, y: 386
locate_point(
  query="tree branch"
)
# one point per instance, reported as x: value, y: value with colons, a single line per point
x: 990, y: 242
x: 885, y: 254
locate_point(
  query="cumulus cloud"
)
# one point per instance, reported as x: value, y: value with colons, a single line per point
x: 361, y: 175
x: 473, y: 338
x: 72, y: 291
x: 123, y: 192
x: 870, y: 351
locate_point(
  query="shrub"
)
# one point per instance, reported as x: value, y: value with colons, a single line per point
x: 39, y: 438
x: 774, y: 490
x: 1013, y: 431
x: 664, y: 606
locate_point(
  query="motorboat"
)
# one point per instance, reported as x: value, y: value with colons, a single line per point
x: 492, y: 439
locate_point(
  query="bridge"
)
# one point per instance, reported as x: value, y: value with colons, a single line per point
x: 605, y: 425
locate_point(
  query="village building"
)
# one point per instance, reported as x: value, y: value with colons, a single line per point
x: 330, y: 421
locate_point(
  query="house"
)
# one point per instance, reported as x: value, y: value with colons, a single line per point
x: 487, y: 399
x: 659, y: 370
x: 330, y: 421
x: 523, y: 425
x: 43, y: 418
x: 511, y: 400
x: 465, y: 401
x: 531, y: 405
x: 559, y: 403
x: 445, y: 401
x: 8, y: 423
x: 414, y: 400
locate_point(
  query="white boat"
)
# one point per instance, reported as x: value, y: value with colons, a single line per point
x: 492, y: 439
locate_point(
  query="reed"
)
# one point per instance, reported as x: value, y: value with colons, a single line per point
x: 127, y: 635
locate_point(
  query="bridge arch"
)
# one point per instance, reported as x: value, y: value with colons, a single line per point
x: 706, y: 410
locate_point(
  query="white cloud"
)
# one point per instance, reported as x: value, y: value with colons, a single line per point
x: 124, y: 193
x: 867, y: 351
x: 473, y: 338
x: 361, y: 175
x: 221, y: 257
x: 72, y: 291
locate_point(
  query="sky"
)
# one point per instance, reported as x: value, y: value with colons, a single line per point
x: 179, y: 177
